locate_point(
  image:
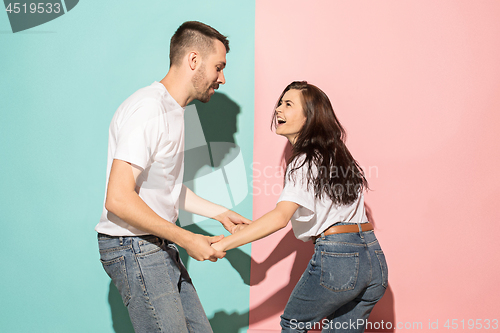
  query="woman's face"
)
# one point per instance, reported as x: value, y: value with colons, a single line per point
x: 289, y: 115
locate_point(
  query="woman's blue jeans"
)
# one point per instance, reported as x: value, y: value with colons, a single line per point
x: 345, y: 278
x: 153, y: 283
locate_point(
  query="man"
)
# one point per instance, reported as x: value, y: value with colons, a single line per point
x: 137, y: 231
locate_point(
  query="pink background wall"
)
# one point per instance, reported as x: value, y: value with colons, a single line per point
x: 416, y: 84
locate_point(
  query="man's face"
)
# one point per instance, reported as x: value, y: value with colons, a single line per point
x: 210, y: 73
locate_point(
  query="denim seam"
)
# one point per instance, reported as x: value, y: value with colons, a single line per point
x: 144, y: 290
x: 143, y: 285
x: 116, y: 248
x: 142, y: 255
x: 188, y: 326
x: 338, y: 243
x: 112, y: 261
x: 142, y: 280
x: 120, y: 259
x: 370, y: 261
x: 384, y: 278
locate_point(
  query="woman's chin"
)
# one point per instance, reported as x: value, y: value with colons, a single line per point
x: 283, y: 135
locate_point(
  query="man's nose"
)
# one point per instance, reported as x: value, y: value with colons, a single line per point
x: 221, y: 78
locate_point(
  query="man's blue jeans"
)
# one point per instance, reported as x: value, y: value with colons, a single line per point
x: 345, y: 278
x: 154, y: 284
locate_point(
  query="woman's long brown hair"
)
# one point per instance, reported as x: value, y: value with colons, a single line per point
x: 331, y: 169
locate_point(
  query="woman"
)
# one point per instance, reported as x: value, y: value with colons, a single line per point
x: 323, y: 197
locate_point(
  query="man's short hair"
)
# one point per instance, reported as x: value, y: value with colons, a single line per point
x: 193, y: 34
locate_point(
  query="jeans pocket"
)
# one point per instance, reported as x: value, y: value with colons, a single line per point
x: 149, y: 247
x: 339, y: 271
x: 383, y: 267
x: 116, y: 270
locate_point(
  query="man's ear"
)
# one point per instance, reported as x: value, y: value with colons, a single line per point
x: 193, y: 59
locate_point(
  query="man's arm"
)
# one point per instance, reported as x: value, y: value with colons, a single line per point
x: 192, y: 203
x: 123, y: 201
x: 271, y: 222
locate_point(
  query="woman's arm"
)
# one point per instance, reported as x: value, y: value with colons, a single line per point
x: 271, y: 222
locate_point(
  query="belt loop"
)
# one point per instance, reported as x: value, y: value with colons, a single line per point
x: 360, y: 230
x: 323, y: 235
x: 121, y: 240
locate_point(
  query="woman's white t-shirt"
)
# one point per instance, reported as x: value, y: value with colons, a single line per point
x: 316, y: 215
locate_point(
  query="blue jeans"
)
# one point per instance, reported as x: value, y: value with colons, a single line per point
x: 344, y: 279
x: 153, y: 283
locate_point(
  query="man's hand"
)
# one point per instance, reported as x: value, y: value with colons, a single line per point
x: 239, y: 227
x: 199, y: 248
x: 231, y: 220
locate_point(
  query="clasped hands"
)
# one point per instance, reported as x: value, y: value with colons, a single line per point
x: 208, y: 248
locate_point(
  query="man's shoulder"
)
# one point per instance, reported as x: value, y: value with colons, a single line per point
x: 150, y: 94
x: 154, y: 95
x: 147, y: 98
x: 142, y: 105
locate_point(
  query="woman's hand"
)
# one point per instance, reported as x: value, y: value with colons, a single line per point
x: 218, y: 246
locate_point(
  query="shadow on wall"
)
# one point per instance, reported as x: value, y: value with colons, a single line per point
x: 218, y: 120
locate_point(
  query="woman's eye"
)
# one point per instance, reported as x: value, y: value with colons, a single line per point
x: 288, y: 104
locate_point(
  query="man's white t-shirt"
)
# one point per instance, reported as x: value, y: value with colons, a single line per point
x: 147, y: 131
x: 314, y: 215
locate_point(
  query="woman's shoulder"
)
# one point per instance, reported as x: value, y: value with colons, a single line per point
x: 299, y: 162
x: 300, y: 169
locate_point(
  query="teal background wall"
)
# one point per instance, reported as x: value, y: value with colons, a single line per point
x: 60, y: 84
